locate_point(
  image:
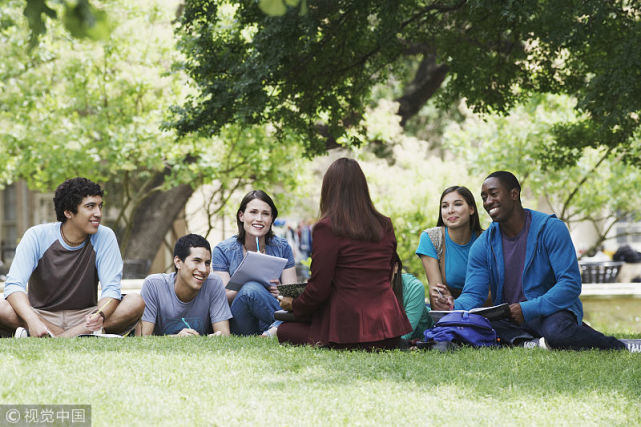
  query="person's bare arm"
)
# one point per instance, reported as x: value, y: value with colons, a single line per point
x: 93, y: 321
x: 289, y: 276
x: 21, y: 305
x: 224, y: 276
x: 147, y: 328
x: 220, y: 328
x: 438, y: 301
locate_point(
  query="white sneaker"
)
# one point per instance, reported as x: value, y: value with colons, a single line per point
x: 536, y: 343
x: 269, y: 333
x: 633, y: 346
x: 21, y: 332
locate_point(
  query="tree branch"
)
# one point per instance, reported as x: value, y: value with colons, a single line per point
x: 586, y: 176
x: 428, y: 78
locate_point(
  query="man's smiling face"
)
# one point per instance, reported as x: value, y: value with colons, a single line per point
x: 498, y: 201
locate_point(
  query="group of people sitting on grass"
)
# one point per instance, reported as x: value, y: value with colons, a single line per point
x: 356, y: 297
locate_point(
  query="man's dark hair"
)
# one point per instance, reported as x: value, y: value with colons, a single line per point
x: 70, y: 193
x: 507, y: 179
x: 183, y: 245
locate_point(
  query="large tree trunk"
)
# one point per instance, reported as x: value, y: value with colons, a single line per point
x: 152, y: 220
x: 428, y: 78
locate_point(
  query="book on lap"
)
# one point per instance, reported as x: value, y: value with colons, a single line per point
x: 496, y: 312
x: 257, y: 267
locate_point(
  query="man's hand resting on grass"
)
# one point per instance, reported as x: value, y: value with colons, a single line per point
x: 37, y: 328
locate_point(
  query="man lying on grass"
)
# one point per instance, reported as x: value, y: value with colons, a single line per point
x: 62, y: 262
x: 526, y: 259
x: 190, y: 301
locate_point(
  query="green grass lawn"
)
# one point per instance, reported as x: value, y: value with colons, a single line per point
x: 228, y: 381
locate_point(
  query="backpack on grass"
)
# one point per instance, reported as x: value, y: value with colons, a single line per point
x: 462, y: 327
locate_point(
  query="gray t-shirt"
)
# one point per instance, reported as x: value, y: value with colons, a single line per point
x: 514, y: 260
x: 166, y: 311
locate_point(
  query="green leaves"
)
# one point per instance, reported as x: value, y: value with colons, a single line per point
x: 83, y: 20
x: 313, y: 73
x: 76, y: 106
x: 33, y: 11
x: 577, y: 178
x: 80, y: 18
x: 279, y: 7
x: 273, y: 7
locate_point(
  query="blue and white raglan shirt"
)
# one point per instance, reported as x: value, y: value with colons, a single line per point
x: 62, y: 277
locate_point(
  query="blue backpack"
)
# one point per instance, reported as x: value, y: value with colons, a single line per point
x: 462, y: 327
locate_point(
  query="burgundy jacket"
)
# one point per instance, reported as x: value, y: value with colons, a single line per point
x: 349, y: 296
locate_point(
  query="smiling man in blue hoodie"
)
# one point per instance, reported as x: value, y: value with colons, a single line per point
x: 526, y: 259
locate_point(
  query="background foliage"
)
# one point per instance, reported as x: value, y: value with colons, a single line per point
x: 312, y: 71
x: 76, y: 106
x: 256, y: 86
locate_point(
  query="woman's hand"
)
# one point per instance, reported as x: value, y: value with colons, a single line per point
x: 273, y: 289
x: 441, y: 298
x: 285, y: 303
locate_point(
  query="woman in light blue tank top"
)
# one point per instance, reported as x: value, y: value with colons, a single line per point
x: 444, y: 249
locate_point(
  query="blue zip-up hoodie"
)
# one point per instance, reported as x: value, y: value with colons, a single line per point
x: 551, y: 276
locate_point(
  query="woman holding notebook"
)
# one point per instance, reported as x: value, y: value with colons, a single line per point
x: 348, y: 300
x: 254, y: 304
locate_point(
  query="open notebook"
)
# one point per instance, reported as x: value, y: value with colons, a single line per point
x: 496, y: 312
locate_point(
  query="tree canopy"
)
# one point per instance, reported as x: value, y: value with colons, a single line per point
x: 78, y: 107
x: 599, y: 189
x: 312, y: 69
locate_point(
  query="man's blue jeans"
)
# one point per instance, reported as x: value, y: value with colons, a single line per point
x: 560, y: 330
x: 253, y: 309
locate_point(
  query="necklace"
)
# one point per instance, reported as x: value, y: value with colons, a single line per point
x: 67, y: 241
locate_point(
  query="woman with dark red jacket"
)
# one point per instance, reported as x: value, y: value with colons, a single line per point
x: 348, y: 300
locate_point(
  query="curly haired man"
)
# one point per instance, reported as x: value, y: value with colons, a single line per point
x: 62, y: 263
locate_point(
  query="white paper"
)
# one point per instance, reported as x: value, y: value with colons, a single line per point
x: 257, y: 267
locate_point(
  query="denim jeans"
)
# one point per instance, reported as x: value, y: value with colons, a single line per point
x: 560, y: 330
x: 253, y: 309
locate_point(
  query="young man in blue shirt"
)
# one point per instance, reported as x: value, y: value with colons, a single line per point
x: 527, y: 259
x: 62, y: 262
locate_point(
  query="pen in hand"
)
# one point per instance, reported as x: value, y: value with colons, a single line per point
x: 101, y: 309
x: 185, y: 322
x: 443, y: 299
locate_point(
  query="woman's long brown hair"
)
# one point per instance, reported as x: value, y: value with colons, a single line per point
x: 346, y: 202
